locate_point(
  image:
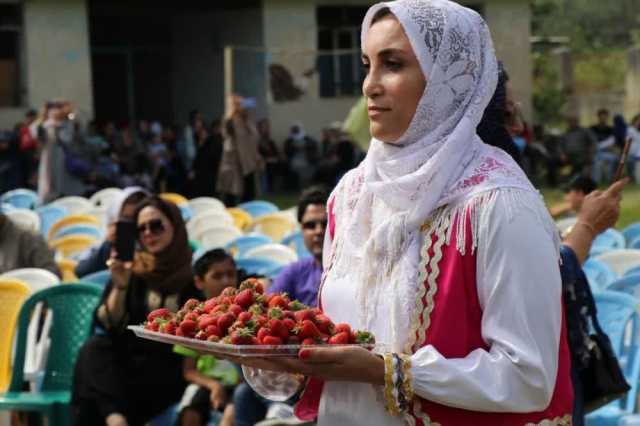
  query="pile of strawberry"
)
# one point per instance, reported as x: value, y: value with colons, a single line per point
x: 246, y: 316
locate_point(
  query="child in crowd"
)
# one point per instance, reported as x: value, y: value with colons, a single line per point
x: 212, y: 380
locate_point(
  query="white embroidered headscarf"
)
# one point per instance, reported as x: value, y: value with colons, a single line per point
x: 439, y: 160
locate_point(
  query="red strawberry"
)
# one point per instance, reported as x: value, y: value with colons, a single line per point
x: 244, y: 298
x: 201, y: 335
x: 235, y: 309
x: 191, y: 316
x: 159, y: 313
x: 341, y: 338
x: 296, y: 306
x: 256, y: 309
x: 252, y: 284
x: 229, y: 292
x: 242, y: 336
x: 262, y: 333
x: 278, y: 329
x: 153, y: 326
x: 308, y: 341
x: 205, y: 321
x: 191, y: 304
x: 289, y: 323
x: 210, y: 304
x: 219, y: 308
x: 281, y: 301
x: 339, y: 328
x: 307, y: 329
x: 170, y: 327
x: 179, y: 332
x: 305, y: 314
x: 325, y: 325
x: 225, y: 321
x: 275, y: 313
x: 261, y: 320
x: 244, y: 317
x: 213, y: 330
x: 226, y: 300
x: 271, y: 340
x: 188, y: 327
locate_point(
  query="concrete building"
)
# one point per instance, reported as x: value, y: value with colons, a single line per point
x: 118, y: 59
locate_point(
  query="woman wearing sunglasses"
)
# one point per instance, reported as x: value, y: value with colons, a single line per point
x: 116, y: 371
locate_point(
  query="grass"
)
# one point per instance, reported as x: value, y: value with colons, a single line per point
x: 629, y: 211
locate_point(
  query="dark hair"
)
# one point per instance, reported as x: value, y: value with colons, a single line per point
x: 312, y: 195
x: 602, y: 111
x: 210, y: 258
x: 135, y: 198
x: 167, y: 208
x: 584, y: 184
x: 384, y: 12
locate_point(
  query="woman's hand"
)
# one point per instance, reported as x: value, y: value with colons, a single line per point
x: 218, y: 396
x: 120, y: 271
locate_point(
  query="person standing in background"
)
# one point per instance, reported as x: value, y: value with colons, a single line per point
x: 271, y: 155
x: 207, y: 161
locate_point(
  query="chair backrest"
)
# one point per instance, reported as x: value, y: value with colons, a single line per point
x: 280, y: 254
x: 74, y: 219
x: 185, y: 212
x: 21, y: 198
x: 72, y: 306
x: 207, y: 219
x: 74, y: 204
x: 621, y: 260
x: 100, y: 278
x: 631, y: 232
x: 258, y: 208
x: 275, y: 226
x: 100, y: 213
x: 37, y: 279
x: 217, y: 235
x: 635, y: 243
x: 81, y: 229
x: 174, y: 198
x: 67, y: 269
x: 25, y: 219
x: 241, y: 218
x: 241, y: 245
x: 73, y: 244
x: 632, y: 271
x: 611, y: 239
x: 12, y: 295
x: 598, y: 274
x: 257, y: 265
x: 295, y: 241
x: 49, y: 215
x: 629, y: 284
x: 105, y: 197
x: 205, y: 204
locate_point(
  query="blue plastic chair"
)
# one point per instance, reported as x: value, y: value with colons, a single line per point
x: 259, y: 208
x: 610, y: 239
x: 598, y: 274
x: 78, y: 230
x: 635, y: 243
x: 629, y: 284
x: 633, y: 271
x: 257, y: 265
x: 296, y: 242
x: 21, y: 198
x: 241, y: 245
x: 100, y: 278
x: 185, y: 211
x: 631, y: 232
x: 6, y: 207
x: 49, y: 215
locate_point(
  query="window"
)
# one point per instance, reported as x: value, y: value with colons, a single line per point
x: 10, y: 43
x: 339, y: 66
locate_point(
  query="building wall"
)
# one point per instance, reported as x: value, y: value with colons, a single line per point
x: 57, y: 61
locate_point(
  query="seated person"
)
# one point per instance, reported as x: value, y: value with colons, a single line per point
x: 301, y: 279
x: 212, y: 380
x: 21, y: 248
x: 575, y: 192
x: 122, y: 208
x: 120, y: 379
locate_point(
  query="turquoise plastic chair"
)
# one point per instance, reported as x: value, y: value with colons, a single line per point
x: 631, y: 233
x: 241, y: 245
x: 49, y: 215
x: 259, y: 208
x: 635, y: 243
x: 100, y: 278
x: 185, y: 211
x: 73, y: 306
x: 92, y: 231
x: 21, y: 198
x: 296, y: 242
x: 598, y: 274
x: 629, y: 284
x: 6, y: 207
x: 610, y: 239
x: 616, y: 312
x: 257, y: 265
x: 633, y: 271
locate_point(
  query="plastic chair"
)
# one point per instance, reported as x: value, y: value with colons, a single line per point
x: 100, y: 213
x: 629, y: 284
x: 67, y: 269
x: 205, y: 204
x: 635, y: 243
x: 205, y: 220
x: 274, y: 226
x: 82, y: 229
x: 74, y: 219
x: 100, y: 278
x: 185, y: 211
x: 295, y: 241
x: 610, y: 239
x: 598, y: 274
x: 621, y: 260
x: 257, y: 265
x: 217, y: 235
x: 631, y: 232
x: 73, y: 244
x: 21, y: 198
x: 37, y: 279
x: 105, y: 197
x: 632, y: 271
x: 241, y: 218
x: 6, y: 207
x: 49, y: 215
x: 12, y: 294
x: 72, y: 307
x: 26, y: 219
x: 176, y: 199
x: 258, y: 208
x: 241, y: 245
x: 278, y: 253
x: 74, y: 204
x: 565, y: 225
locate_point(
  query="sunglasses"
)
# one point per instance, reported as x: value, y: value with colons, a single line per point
x: 312, y: 224
x: 155, y: 227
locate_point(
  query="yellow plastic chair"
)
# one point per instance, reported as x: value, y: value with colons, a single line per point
x: 67, y: 270
x: 274, y: 225
x: 72, y: 244
x: 241, y: 218
x: 74, y: 219
x: 176, y: 199
x: 12, y: 294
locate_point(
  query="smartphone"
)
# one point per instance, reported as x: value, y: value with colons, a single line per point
x: 125, y: 243
x: 623, y: 160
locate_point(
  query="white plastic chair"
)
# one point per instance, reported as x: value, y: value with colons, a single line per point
x: 100, y: 213
x: 621, y: 260
x: 205, y: 204
x: 26, y: 219
x: 276, y: 252
x: 217, y: 235
x: 565, y: 225
x: 105, y: 197
x: 208, y: 219
x: 38, y: 279
x: 74, y: 204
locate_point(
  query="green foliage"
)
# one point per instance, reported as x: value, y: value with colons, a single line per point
x: 601, y: 71
x: 548, y: 99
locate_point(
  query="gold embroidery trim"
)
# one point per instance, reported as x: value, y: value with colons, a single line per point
x: 566, y: 420
x: 391, y: 404
x: 407, y: 382
x: 422, y: 416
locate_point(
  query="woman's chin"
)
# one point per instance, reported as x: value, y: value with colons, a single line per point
x: 379, y: 133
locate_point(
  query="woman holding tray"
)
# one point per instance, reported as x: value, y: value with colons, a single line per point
x: 439, y: 245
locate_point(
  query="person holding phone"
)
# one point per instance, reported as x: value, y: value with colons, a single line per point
x: 115, y: 371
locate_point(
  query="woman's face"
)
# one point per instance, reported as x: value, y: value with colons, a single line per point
x: 154, y: 230
x: 394, y: 83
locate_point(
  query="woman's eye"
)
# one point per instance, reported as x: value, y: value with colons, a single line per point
x: 393, y: 65
x: 366, y: 66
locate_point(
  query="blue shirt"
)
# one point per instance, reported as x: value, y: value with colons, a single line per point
x: 300, y: 281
